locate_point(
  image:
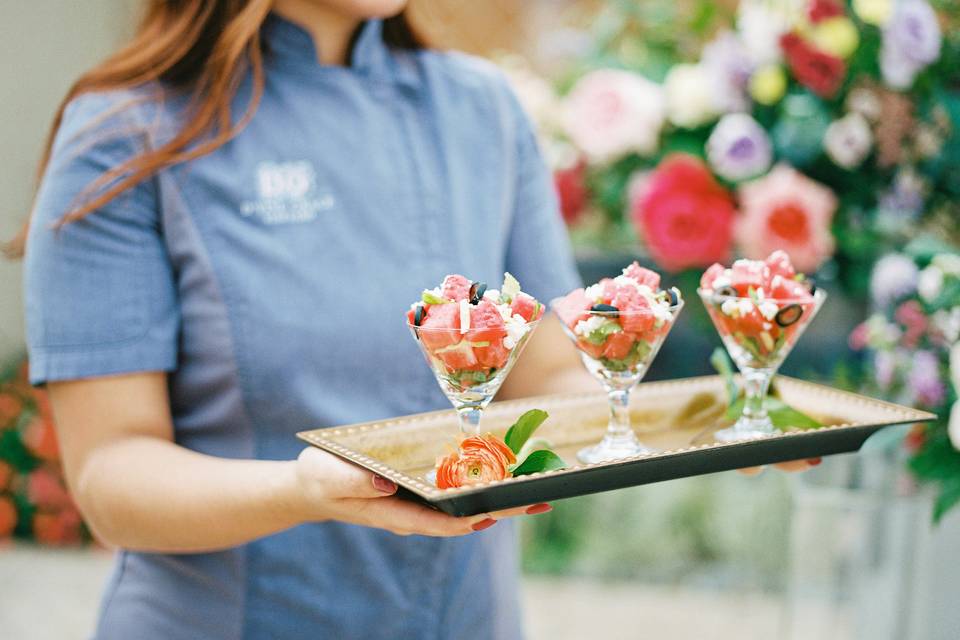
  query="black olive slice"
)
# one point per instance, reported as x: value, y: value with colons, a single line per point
x: 788, y: 315
x: 605, y: 308
x: 673, y: 297
x: 813, y: 285
x: 418, y: 314
x: 727, y: 292
x: 477, y: 289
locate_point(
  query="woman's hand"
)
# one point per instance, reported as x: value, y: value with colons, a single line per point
x: 333, y: 489
x: 790, y: 467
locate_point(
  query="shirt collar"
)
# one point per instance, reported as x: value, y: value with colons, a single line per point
x: 290, y: 46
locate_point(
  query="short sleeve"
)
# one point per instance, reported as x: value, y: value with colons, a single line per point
x: 538, y: 249
x: 100, y: 293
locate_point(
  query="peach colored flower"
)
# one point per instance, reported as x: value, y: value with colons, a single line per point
x: 479, y: 459
x: 45, y: 488
x: 60, y: 528
x: 40, y: 438
x: 10, y: 408
x: 786, y: 210
x: 610, y: 113
x: 8, y: 516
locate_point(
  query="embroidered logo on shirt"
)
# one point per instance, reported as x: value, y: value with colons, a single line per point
x: 287, y: 192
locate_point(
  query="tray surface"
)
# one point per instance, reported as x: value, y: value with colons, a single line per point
x: 677, y: 417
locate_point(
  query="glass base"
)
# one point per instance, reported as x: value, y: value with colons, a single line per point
x: 613, y: 448
x: 747, y: 429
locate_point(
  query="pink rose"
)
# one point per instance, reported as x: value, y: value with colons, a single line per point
x: 684, y: 215
x: 610, y: 113
x: 786, y: 210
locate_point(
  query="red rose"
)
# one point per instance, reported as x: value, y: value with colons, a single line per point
x: 60, y: 528
x: 820, y: 72
x: 571, y: 190
x: 46, y: 489
x: 819, y: 10
x: 479, y: 459
x: 684, y: 215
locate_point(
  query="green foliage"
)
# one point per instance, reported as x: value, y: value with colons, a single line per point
x: 523, y: 428
x: 539, y: 460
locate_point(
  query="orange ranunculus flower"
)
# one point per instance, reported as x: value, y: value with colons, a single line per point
x: 479, y: 459
x: 40, y: 438
x: 57, y: 528
x: 10, y: 408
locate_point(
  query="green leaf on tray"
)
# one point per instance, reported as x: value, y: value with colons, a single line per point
x: 539, y: 460
x: 948, y: 497
x: 721, y: 362
x: 781, y: 414
x: 523, y: 428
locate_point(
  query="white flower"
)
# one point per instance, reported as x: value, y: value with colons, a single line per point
x: 848, y: 140
x: 947, y: 323
x: 690, y: 96
x: 610, y: 113
x: 762, y: 22
x: 535, y: 95
x: 949, y: 263
x: 894, y: 276
x: 930, y: 282
x: 953, y: 428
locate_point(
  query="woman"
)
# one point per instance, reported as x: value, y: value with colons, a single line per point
x: 272, y: 183
x: 234, y: 213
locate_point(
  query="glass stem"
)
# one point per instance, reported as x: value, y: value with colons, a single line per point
x: 756, y: 383
x: 470, y: 420
x: 619, y: 426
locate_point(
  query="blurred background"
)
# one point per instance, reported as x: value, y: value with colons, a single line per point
x: 828, y: 128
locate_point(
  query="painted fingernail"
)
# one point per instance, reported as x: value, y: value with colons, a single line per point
x: 814, y: 461
x: 484, y: 524
x: 382, y: 484
x: 539, y: 508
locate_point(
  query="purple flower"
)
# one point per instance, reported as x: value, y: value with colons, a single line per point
x: 729, y: 64
x: 894, y: 276
x: 884, y: 367
x: 739, y: 148
x: 924, y: 379
x: 911, y: 41
x: 901, y: 204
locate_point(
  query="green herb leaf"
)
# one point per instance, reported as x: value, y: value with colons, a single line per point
x: 523, y: 428
x: 782, y: 415
x: 430, y: 297
x: 721, y: 362
x: 948, y: 497
x: 539, y: 460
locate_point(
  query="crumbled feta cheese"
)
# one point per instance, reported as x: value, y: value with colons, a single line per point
x: 588, y: 326
x: 493, y: 295
x: 768, y: 309
x: 517, y: 327
x: 594, y: 292
x: 464, y: 316
x: 723, y: 281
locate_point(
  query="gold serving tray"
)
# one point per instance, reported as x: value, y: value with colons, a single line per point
x: 678, y: 417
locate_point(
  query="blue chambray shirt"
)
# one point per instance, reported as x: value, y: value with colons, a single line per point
x: 270, y: 279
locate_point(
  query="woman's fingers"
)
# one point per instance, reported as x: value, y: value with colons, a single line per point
x: 798, y: 465
x: 335, y: 478
x: 791, y: 466
x: 529, y: 510
x: 407, y: 518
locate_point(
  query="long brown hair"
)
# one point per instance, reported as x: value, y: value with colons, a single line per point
x: 204, y: 47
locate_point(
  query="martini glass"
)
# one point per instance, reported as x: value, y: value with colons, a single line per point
x: 619, y: 364
x: 758, y: 335
x: 470, y: 367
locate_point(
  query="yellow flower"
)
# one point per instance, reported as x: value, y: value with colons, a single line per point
x: 768, y: 84
x: 875, y: 12
x: 837, y: 35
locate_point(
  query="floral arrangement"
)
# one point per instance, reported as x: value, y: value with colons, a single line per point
x: 34, y: 501
x: 914, y: 350
x: 826, y: 129
x: 487, y: 458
